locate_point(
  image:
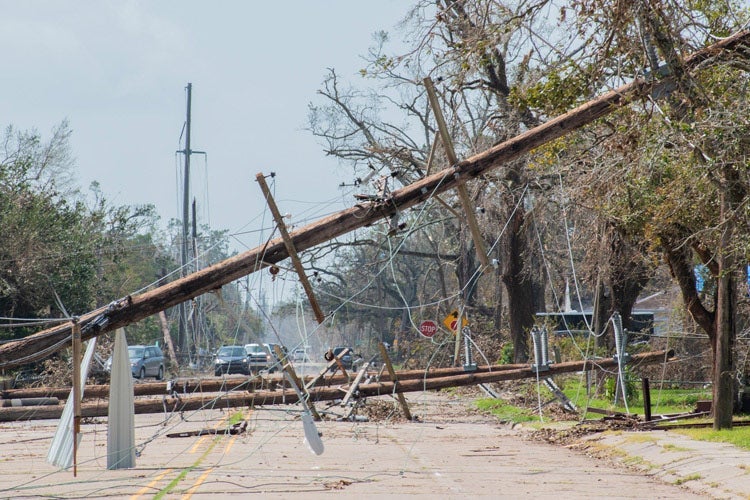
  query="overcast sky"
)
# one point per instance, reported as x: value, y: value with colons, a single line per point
x: 117, y: 70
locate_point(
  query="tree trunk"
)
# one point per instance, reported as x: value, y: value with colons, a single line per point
x: 723, y: 341
x: 167, y: 337
x: 519, y: 287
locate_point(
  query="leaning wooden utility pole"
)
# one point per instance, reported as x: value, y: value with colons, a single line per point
x: 289, y: 244
x: 130, y: 309
x: 463, y: 194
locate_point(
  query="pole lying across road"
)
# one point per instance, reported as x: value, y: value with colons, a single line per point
x: 137, y: 307
x: 328, y: 393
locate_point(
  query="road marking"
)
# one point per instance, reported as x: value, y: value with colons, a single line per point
x: 197, y: 484
x: 198, y: 443
x: 214, y: 441
x: 230, y: 444
x: 150, y: 485
x: 203, y: 438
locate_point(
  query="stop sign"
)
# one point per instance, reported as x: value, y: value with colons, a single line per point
x: 428, y: 328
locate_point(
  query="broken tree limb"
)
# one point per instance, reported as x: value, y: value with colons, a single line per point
x: 135, y: 308
x: 264, y: 398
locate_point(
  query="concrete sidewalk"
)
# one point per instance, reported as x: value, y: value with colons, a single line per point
x: 715, y: 470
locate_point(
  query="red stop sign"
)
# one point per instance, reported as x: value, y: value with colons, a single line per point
x: 428, y: 328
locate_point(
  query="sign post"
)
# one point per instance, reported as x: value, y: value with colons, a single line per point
x: 428, y: 328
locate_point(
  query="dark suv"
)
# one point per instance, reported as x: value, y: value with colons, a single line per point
x: 231, y: 359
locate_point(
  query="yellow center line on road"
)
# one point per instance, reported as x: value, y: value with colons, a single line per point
x: 230, y: 444
x: 150, y: 485
x: 216, y: 439
x: 198, y: 443
x: 205, y: 436
x: 197, y: 484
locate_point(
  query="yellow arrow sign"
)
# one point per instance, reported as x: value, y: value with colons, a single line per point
x: 451, y: 321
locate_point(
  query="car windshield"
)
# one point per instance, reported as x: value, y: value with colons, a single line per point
x: 231, y: 351
x: 338, y: 350
x: 135, y: 352
x: 257, y: 348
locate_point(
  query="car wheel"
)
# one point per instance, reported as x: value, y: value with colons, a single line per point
x: 160, y: 375
x: 142, y: 374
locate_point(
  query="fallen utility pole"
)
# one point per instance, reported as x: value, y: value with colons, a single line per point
x: 267, y: 398
x: 130, y: 309
x: 236, y: 383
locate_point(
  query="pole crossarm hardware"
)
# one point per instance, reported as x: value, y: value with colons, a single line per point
x: 137, y: 307
x: 289, y: 244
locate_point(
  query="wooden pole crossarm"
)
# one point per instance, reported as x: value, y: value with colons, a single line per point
x: 289, y: 244
x: 137, y: 307
x: 463, y: 194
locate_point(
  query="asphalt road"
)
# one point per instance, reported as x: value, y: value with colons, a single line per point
x: 451, y: 452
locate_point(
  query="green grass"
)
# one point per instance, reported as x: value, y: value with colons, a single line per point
x: 236, y: 418
x: 663, y: 401
x: 692, y: 477
x: 506, y: 412
x: 737, y: 436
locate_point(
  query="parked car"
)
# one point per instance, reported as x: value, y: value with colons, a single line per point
x: 347, y: 360
x: 300, y: 355
x: 145, y: 361
x: 257, y: 357
x: 231, y: 359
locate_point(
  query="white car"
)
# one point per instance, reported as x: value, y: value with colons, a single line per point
x: 300, y: 355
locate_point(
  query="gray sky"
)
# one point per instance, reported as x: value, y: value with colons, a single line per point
x: 117, y: 70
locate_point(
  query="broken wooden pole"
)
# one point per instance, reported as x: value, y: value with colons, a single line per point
x: 355, y: 385
x: 289, y: 244
x: 299, y: 387
x: 265, y: 398
x: 130, y: 309
x: 394, y: 380
x: 463, y: 194
x: 233, y: 383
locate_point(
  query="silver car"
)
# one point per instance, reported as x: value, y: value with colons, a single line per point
x: 145, y: 361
